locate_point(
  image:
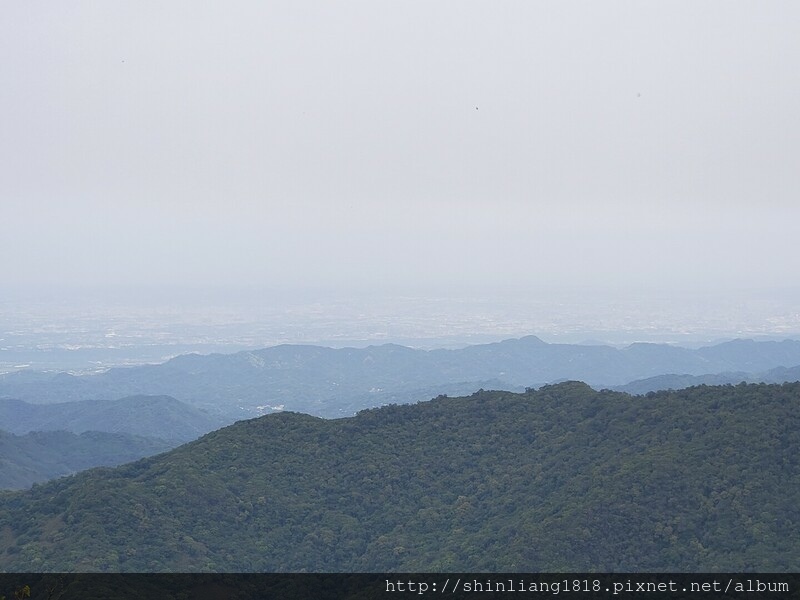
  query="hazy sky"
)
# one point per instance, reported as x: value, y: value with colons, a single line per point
x: 370, y: 142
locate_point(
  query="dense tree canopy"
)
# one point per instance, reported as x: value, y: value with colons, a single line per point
x: 560, y: 479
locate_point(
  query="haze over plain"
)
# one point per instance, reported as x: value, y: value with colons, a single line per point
x: 515, y: 150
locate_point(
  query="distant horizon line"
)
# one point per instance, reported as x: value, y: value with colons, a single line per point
x: 422, y: 287
x: 347, y: 345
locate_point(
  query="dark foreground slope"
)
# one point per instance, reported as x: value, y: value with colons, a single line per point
x: 563, y: 478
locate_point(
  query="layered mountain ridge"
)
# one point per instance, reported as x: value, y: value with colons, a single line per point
x: 564, y: 478
x: 339, y: 382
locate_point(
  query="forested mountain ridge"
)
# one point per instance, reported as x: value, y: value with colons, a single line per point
x: 560, y: 479
x: 338, y: 382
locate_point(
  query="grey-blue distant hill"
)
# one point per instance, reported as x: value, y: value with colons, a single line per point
x: 679, y: 382
x: 339, y: 382
x: 160, y: 417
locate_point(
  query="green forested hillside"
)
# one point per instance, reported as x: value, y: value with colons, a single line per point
x: 560, y: 479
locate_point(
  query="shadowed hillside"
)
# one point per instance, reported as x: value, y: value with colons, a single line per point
x: 42, y: 455
x: 151, y: 416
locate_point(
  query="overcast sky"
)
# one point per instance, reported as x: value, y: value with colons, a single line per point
x: 357, y: 143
